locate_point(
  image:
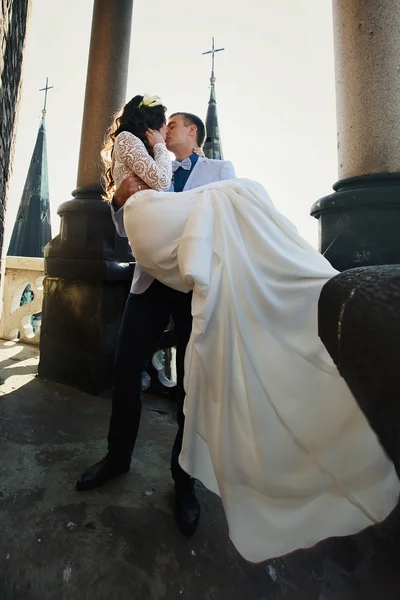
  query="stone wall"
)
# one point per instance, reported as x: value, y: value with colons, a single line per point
x: 13, y: 19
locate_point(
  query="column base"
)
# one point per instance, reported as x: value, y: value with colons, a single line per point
x: 80, y: 325
x: 89, y: 271
x: 359, y: 324
x: 359, y: 224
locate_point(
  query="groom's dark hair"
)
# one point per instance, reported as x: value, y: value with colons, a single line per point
x: 191, y: 119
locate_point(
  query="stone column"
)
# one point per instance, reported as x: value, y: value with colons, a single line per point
x: 359, y: 223
x: 105, y: 85
x: 88, y: 266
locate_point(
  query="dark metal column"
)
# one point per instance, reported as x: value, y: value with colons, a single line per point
x: 360, y: 222
x: 88, y: 267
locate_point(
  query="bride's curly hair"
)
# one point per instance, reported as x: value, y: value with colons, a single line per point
x: 136, y: 119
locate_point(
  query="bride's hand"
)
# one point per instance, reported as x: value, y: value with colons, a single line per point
x: 199, y: 152
x: 154, y: 137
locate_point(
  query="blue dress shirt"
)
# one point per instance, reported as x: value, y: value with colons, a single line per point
x: 181, y: 176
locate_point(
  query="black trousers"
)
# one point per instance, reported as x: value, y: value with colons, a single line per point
x: 145, y: 318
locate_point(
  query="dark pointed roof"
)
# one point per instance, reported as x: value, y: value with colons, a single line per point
x: 32, y: 229
x: 212, y: 146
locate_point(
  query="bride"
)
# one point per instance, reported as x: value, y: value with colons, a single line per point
x: 270, y: 425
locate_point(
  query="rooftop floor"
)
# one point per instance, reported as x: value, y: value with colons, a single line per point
x: 120, y: 542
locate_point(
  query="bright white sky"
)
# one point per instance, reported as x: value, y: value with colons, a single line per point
x: 275, y: 89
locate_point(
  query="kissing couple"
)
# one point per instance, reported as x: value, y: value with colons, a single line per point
x: 264, y: 418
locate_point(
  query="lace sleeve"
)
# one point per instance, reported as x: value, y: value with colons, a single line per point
x: 131, y: 151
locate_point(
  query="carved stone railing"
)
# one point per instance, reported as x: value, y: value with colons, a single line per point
x: 21, y: 320
x: 22, y: 299
x: 160, y: 374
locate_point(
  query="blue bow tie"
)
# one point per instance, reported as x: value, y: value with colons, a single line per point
x: 185, y: 164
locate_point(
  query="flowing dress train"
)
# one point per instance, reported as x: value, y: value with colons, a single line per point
x: 270, y: 425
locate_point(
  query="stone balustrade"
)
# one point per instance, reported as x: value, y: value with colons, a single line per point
x: 22, y: 299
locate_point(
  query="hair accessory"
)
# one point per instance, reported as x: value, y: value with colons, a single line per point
x: 150, y: 101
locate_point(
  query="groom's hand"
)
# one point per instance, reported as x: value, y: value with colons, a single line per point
x: 131, y: 185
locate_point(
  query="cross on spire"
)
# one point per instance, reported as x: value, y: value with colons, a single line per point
x: 45, y: 90
x: 213, y: 51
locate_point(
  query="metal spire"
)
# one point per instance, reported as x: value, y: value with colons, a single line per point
x: 213, y: 51
x: 212, y: 146
x: 45, y: 90
x: 32, y: 228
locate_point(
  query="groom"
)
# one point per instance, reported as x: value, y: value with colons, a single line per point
x: 148, y: 310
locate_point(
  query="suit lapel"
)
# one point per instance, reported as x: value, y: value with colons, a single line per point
x: 195, y: 173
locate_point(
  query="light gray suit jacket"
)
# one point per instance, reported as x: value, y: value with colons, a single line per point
x: 204, y: 171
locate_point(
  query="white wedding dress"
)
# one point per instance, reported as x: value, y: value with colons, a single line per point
x: 270, y: 425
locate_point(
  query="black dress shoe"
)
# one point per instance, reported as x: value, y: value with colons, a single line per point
x: 187, y: 509
x: 99, y: 473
